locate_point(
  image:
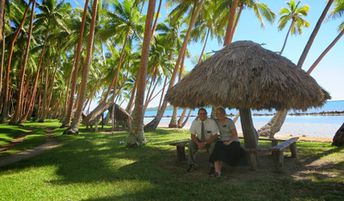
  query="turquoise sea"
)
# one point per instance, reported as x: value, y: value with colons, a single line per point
x: 303, y: 124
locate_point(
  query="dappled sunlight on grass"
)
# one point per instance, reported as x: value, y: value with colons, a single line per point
x: 98, y: 166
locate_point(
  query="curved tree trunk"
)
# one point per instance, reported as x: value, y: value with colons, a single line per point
x: 81, y: 96
x: 173, y: 122
x: 277, y: 121
x: 136, y: 135
x: 186, y: 120
x: 286, y: 38
x: 151, y: 126
x: 132, y: 98
x: 19, y: 105
x: 4, y: 113
x: 313, y: 35
x: 75, y: 69
x: 35, y: 84
x: 329, y: 47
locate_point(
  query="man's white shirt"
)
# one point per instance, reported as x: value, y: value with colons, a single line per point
x: 209, y: 125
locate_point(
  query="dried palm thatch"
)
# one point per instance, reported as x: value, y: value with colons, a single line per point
x: 245, y: 75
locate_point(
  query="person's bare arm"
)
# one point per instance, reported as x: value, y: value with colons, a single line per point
x: 195, y: 139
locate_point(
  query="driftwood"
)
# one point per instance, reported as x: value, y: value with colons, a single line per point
x: 338, y: 139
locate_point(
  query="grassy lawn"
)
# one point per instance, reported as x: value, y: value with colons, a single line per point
x: 98, y: 166
x: 34, y: 134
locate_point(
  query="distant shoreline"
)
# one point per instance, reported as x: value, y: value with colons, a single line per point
x: 333, y: 113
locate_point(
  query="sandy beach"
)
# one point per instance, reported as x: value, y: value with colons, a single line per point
x: 320, y: 128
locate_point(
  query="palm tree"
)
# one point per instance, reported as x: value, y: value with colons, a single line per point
x: 5, y: 95
x: 196, y: 8
x: 275, y: 124
x: 295, y: 14
x: 19, y: 105
x: 127, y: 26
x: 313, y: 35
x: 75, y: 69
x: 81, y: 95
x: 136, y: 133
x: 336, y: 13
x: 2, y: 17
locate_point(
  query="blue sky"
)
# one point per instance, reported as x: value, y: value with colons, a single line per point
x: 329, y: 73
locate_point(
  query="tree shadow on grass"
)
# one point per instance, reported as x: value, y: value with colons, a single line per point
x: 152, y: 173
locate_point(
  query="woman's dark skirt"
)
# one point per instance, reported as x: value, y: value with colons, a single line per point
x: 231, y: 154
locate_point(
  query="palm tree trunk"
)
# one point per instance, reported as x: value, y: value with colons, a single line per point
x: 278, y: 119
x: 2, y: 17
x: 2, y: 36
x: 4, y: 113
x: 325, y: 52
x: 81, y: 96
x: 229, y: 32
x: 35, y: 84
x: 241, y: 7
x: 286, y: 37
x: 132, y: 98
x: 203, y: 48
x: 162, y: 93
x: 19, y: 105
x: 156, y: 18
x: 313, y: 35
x: 151, y: 126
x: 136, y: 134
x: 75, y: 69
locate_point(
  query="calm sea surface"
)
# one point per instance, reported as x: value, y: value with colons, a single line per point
x: 303, y: 125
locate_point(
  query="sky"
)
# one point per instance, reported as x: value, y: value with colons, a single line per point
x: 329, y: 73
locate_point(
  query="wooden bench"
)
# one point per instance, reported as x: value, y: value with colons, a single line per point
x: 180, y: 148
x: 277, y: 150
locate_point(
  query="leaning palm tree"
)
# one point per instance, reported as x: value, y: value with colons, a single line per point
x: 73, y: 129
x: 136, y: 133
x: 5, y: 95
x: 180, y: 9
x: 275, y: 124
x: 337, y: 12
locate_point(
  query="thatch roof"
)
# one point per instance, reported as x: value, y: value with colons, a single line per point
x: 245, y: 75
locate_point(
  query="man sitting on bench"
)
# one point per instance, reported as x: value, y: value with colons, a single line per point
x: 204, y: 134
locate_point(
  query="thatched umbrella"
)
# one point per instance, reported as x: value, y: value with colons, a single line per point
x: 244, y: 75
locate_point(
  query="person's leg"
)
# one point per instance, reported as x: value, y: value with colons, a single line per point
x: 192, y: 150
x: 218, y: 168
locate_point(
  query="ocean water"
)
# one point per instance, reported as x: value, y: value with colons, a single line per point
x: 322, y: 126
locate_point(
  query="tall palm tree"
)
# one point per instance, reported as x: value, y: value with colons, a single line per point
x: 19, y: 105
x: 313, y: 35
x: 74, y: 128
x: 75, y: 69
x: 275, y: 124
x: 5, y: 94
x: 196, y: 8
x: 337, y: 12
x: 127, y: 26
x: 293, y: 14
x: 136, y: 133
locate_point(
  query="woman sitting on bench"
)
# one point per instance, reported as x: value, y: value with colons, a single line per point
x: 228, y: 148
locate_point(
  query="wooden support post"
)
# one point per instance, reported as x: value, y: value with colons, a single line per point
x: 181, y: 152
x: 293, y: 150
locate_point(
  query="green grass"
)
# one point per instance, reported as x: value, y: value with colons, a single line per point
x: 99, y: 167
x: 35, y: 134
